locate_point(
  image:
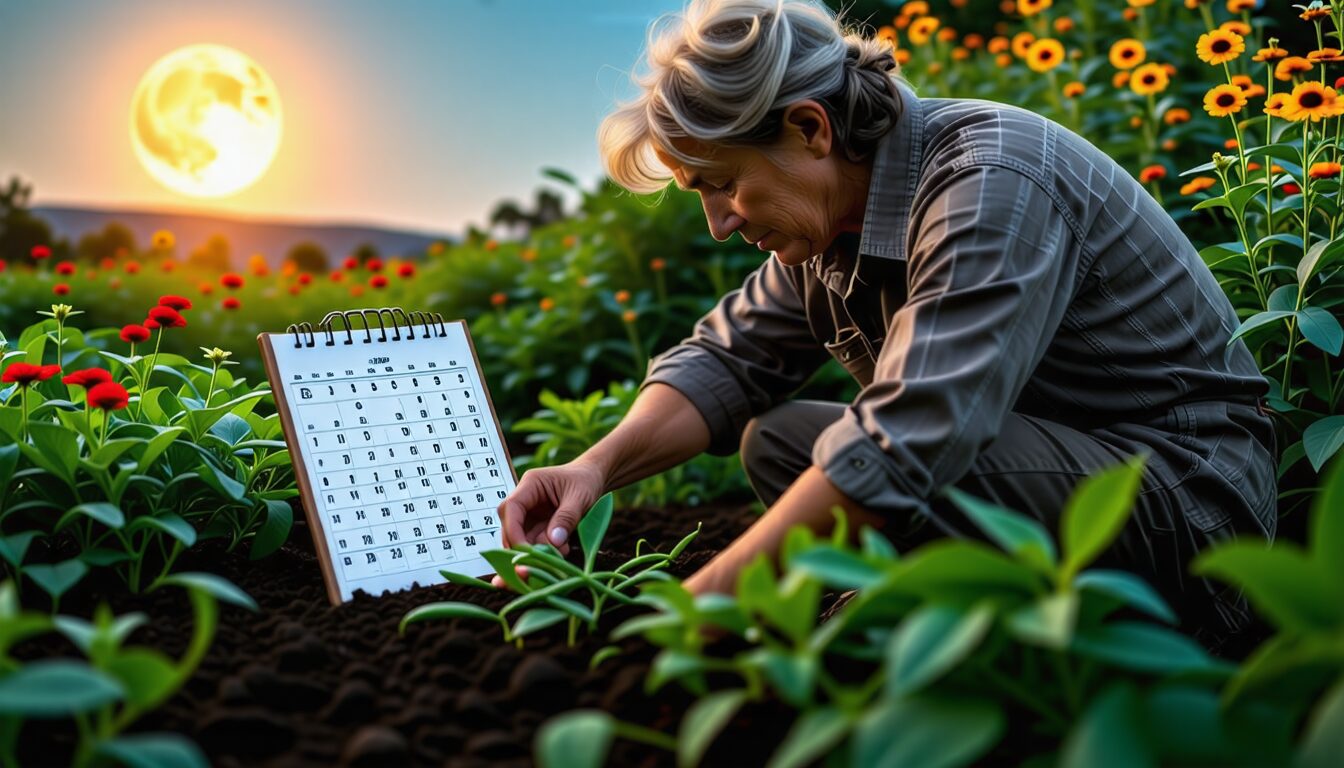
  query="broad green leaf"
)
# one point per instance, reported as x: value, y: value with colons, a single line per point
x: 963, y: 570
x: 1017, y: 534
x: 578, y: 739
x: 1258, y: 320
x: 1327, y: 524
x: 156, y: 446
x: 1187, y: 724
x: 216, y: 586
x: 112, y: 450
x: 814, y: 733
x: 57, y: 447
x: 705, y: 719
x: 9, y: 461
x: 56, y: 689
x: 1128, y: 589
x: 1049, y: 621
x: 447, y: 611
x: 502, y: 561
x: 231, y: 429
x: 14, y: 546
x: 147, y: 676
x: 1096, y: 513
x: 927, y: 732
x: 168, y: 523
x: 877, y: 546
x: 1324, y: 741
x: 108, y: 514
x: 536, y: 620
x: 671, y: 664
x: 838, y: 568
x: 1317, y: 256
x: 1282, y: 583
x: 593, y: 528
x: 154, y: 750
x: 1321, y: 328
x: 931, y: 642
x: 221, y: 481
x: 275, y: 531
x: 1322, y: 440
x: 57, y: 579
x: 1292, y: 241
x: 465, y: 580
x: 792, y: 675
x: 1108, y: 735
x: 1144, y: 648
x: 1283, y: 299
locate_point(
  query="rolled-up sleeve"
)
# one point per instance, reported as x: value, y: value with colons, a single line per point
x: 754, y: 348
x: 992, y: 268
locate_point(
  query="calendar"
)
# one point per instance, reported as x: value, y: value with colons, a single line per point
x: 397, y: 453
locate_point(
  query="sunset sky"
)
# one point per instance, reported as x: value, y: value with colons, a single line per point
x: 416, y: 115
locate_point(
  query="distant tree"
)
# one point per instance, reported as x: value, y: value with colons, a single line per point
x: 366, y: 251
x: 509, y: 215
x: 19, y: 229
x: 549, y: 208
x: 212, y: 255
x: 309, y: 257
x: 97, y: 245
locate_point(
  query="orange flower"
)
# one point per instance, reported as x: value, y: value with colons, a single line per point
x: 1237, y: 6
x: 998, y: 44
x: 915, y: 8
x: 1120, y: 79
x: 1239, y: 27
x: 973, y: 41
x: 1324, y: 170
x: 1291, y: 66
x: 1032, y: 7
x: 657, y: 264
x: 132, y: 267
x: 1152, y: 173
x: 1315, y: 12
x: 1045, y: 54
x: 491, y: 245
x: 528, y: 254
x: 1169, y: 145
x: 1074, y: 89
x: 887, y: 33
x: 1230, y: 144
x: 547, y: 304
x: 356, y: 290
x: 947, y: 34
x: 1140, y: 3
x: 570, y: 241
x: 1003, y: 60
x: 1127, y: 53
x: 1129, y: 14
x: 922, y: 29
x: 1176, y: 116
x: 1150, y: 78
x: 629, y: 315
x: 1135, y: 121
x: 1219, y: 46
x: 902, y: 56
x: 1063, y: 25
x: 498, y: 298
x: 1197, y: 184
x: 1311, y: 101
x: 1021, y: 43
x: 1324, y: 54
x: 960, y: 54
x: 1274, y: 104
x: 1224, y: 100
x: 1269, y: 54
x: 935, y: 67
x: 622, y: 296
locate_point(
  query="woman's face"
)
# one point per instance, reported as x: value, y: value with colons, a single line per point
x: 791, y: 198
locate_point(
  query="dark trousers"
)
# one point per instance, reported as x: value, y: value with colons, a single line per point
x: 1033, y: 467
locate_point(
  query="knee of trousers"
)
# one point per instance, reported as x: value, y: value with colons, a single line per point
x: 762, y: 445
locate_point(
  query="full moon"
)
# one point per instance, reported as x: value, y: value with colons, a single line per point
x: 205, y: 121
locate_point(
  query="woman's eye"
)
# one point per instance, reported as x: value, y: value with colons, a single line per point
x: 728, y: 188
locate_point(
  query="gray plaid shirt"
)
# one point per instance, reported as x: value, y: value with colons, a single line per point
x: 1005, y: 264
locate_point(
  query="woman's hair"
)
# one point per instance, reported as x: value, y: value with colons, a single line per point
x: 723, y: 71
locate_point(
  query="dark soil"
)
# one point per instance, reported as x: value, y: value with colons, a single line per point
x: 302, y: 683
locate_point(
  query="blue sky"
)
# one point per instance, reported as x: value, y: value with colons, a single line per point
x: 408, y: 113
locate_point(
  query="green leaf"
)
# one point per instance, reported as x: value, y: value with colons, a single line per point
x: 927, y: 732
x: 1282, y: 583
x: 1327, y: 524
x: 1017, y: 534
x: 593, y: 528
x: 463, y: 579
x: 1320, y: 328
x: 9, y: 461
x: 963, y: 570
x: 1108, y: 735
x: 156, y: 446
x: 221, y: 481
x: 1096, y: 512
x: 54, y: 448
x: 168, y: 523
x: 146, y: 675
x: 112, y: 450
x: 837, y: 568
x: 275, y: 531
x: 706, y: 718
x: 578, y: 739
x: 447, y: 610
x: 931, y: 642
x: 1283, y: 299
x: 56, y: 689
x: 1322, y: 439
x: 1324, y: 740
x: 231, y: 429
x: 536, y: 620
x: 1145, y: 648
x: 108, y: 514
x: 57, y: 579
x: 502, y: 561
x: 154, y: 750
x: 1257, y: 320
x: 1128, y: 589
x: 217, y: 587
x: 814, y: 733
x: 792, y: 675
x: 1049, y: 621
x: 14, y: 546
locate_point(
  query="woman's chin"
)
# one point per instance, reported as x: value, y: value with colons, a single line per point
x: 793, y: 253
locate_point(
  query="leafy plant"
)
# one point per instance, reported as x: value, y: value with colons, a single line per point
x: 551, y: 582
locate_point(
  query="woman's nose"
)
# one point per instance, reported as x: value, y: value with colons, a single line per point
x: 723, y: 221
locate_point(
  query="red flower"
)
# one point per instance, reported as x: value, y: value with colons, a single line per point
x: 150, y: 324
x: 1291, y: 189
x: 167, y: 317
x: 132, y: 267
x: 206, y: 288
x: 1339, y: 83
x: 107, y: 262
x: 24, y: 374
x: 65, y: 268
x: 3, y: 264
x: 305, y: 278
x: 406, y: 270
x: 337, y: 276
x: 350, y: 263
x: 374, y: 265
x: 168, y: 265
x: 378, y: 281
x: 231, y: 280
x: 498, y: 298
x: 60, y: 289
x: 40, y: 252
x: 295, y: 290
x: 178, y: 303
x: 134, y: 333
x: 87, y: 377
x: 109, y: 396
x: 230, y: 302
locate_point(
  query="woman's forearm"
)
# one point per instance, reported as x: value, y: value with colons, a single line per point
x: 662, y: 429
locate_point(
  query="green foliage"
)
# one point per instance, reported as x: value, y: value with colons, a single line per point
x: 547, y: 583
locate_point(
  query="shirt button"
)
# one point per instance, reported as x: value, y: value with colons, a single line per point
x: 858, y: 463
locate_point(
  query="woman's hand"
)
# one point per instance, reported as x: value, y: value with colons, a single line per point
x: 547, y: 505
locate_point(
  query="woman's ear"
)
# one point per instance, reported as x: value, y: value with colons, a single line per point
x: 807, y: 123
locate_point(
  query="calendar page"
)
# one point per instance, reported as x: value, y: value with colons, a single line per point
x: 397, y: 452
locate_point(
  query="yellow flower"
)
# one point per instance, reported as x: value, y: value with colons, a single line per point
x: 1324, y: 54
x: 1176, y: 116
x: 162, y: 240
x: 1237, y: 6
x: 1074, y: 89
x: 1291, y: 66
x: 1140, y: 3
x: 1219, y: 46
x: 998, y: 44
x: 1269, y: 54
x: 1032, y: 7
x: 922, y: 29
x: 1127, y: 53
x: 1311, y: 101
x: 1274, y: 104
x: 1021, y: 42
x: 1150, y: 78
x: 1045, y: 54
x: 1239, y: 27
x: 915, y: 8
x: 1224, y: 100
x: 1198, y: 184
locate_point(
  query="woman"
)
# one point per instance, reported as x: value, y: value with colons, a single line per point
x: 1018, y: 310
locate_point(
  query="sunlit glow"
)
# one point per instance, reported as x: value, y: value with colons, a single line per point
x: 206, y: 121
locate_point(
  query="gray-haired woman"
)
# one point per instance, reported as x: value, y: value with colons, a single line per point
x: 1018, y: 311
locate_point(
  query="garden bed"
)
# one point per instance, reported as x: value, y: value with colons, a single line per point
x: 303, y: 683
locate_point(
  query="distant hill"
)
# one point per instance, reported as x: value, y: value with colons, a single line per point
x: 272, y: 238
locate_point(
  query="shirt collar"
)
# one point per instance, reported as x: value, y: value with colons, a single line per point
x: 886, y: 218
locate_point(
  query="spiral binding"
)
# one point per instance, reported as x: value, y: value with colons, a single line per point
x: 398, y: 320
